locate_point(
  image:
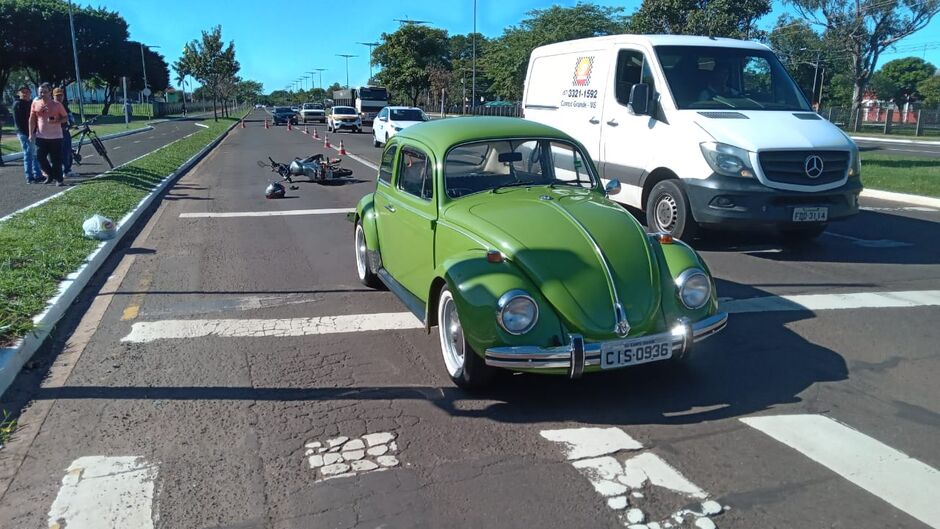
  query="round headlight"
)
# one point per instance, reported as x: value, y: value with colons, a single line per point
x: 694, y: 288
x: 518, y: 312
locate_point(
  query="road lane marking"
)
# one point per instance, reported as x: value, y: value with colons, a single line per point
x: 100, y: 492
x: 869, y: 243
x: 201, y: 125
x: 133, y: 306
x: 889, y: 474
x: 325, y: 211
x: 605, y: 456
x: 814, y: 302
x: 900, y: 208
x: 149, y: 331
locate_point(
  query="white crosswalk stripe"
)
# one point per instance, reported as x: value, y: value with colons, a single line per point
x: 893, y: 476
x: 101, y: 492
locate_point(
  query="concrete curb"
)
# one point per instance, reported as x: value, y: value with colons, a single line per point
x: 894, y: 140
x: 13, y: 358
x: 19, y: 155
x: 918, y: 200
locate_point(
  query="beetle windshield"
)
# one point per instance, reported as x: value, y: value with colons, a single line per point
x: 488, y: 165
x: 705, y: 77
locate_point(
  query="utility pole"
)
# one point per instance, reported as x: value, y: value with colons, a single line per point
x: 815, y: 73
x: 370, y: 45
x: 347, y: 57
x: 78, y: 76
x: 320, y: 82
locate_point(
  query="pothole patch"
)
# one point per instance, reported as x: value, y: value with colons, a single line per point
x: 342, y: 456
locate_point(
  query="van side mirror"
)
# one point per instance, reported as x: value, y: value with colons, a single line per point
x: 639, y: 99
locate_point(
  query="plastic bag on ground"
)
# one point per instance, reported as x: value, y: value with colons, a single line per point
x: 99, y: 227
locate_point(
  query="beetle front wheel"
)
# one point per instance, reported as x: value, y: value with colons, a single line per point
x: 464, y: 366
x: 363, y: 268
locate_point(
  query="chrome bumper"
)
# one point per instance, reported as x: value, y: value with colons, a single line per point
x: 578, y: 354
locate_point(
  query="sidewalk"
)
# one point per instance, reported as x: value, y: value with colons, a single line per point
x: 895, y: 140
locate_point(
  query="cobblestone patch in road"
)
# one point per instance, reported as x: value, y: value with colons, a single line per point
x: 344, y: 457
x: 608, y: 458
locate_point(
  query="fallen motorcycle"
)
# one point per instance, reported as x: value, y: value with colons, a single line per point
x: 316, y: 168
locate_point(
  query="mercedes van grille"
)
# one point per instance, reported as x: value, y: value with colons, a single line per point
x: 789, y: 167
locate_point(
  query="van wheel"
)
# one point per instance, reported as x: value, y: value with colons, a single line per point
x: 465, y: 367
x: 667, y: 210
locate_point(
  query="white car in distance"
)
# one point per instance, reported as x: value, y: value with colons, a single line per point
x: 392, y: 120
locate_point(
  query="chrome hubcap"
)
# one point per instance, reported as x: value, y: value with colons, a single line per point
x: 452, y: 343
x: 360, y: 252
x: 667, y: 213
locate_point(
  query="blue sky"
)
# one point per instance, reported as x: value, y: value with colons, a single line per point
x: 279, y: 40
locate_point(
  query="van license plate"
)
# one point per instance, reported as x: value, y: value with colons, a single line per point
x: 810, y: 214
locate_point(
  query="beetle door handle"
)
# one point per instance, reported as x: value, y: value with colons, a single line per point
x: 613, y: 123
x: 390, y: 208
x: 594, y: 120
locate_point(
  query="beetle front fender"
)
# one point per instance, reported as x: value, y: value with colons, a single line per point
x: 477, y: 285
x: 674, y: 259
x: 365, y: 212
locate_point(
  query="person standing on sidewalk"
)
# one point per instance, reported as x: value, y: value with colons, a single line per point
x: 45, y: 126
x: 21, y: 121
x: 59, y: 95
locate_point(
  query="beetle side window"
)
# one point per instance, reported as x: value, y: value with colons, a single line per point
x: 632, y: 68
x: 414, y: 174
x: 388, y: 158
x: 569, y: 165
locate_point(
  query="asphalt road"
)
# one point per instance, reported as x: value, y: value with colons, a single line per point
x: 214, y: 429
x: 15, y: 193
x: 902, y: 149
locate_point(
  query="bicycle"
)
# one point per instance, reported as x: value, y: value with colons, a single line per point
x: 85, y: 130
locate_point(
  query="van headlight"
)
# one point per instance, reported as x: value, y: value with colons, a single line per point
x: 727, y: 159
x: 694, y: 288
x: 517, y: 312
x: 855, y: 162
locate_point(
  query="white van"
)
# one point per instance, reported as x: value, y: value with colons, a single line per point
x: 699, y: 131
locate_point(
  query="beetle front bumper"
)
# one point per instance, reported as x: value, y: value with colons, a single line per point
x: 578, y: 354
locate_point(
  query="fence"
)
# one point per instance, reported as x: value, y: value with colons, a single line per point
x: 147, y: 110
x: 508, y: 109
x: 886, y: 120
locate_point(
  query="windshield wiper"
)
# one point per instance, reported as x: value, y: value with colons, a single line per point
x: 514, y: 184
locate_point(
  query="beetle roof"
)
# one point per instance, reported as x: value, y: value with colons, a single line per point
x: 441, y: 134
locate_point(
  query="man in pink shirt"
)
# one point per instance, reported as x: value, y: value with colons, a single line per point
x: 45, y: 127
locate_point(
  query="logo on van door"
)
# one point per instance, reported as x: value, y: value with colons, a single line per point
x: 582, y: 71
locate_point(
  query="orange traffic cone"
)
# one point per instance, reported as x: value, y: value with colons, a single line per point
x: 265, y: 123
x: 243, y: 123
x: 305, y: 129
x: 315, y: 135
x: 289, y: 126
x: 342, y: 150
x: 326, y: 142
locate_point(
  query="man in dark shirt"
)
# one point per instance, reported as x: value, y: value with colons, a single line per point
x: 21, y: 121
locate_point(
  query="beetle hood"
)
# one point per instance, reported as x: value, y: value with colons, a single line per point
x: 566, y: 240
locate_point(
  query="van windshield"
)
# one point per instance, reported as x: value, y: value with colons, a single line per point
x: 704, y: 77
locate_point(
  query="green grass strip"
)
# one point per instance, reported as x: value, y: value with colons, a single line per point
x: 41, y: 246
x: 914, y: 175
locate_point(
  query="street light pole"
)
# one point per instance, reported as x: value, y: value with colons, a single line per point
x: 78, y: 76
x: 320, y: 82
x: 473, y: 88
x: 370, y: 45
x: 347, y: 57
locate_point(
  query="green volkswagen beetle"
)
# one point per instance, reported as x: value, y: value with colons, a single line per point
x: 499, y: 232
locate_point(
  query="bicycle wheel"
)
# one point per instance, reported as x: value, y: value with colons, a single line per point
x: 99, y: 147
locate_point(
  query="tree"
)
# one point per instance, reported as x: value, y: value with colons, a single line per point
x: 407, y: 58
x: 899, y: 79
x: 506, y: 58
x: 929, y: 90
x: 863, y: 29
x: 212, y: 63
x: 718, y: 18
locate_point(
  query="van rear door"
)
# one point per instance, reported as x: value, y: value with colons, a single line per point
x: 628, y: 140
x: 565, y: 91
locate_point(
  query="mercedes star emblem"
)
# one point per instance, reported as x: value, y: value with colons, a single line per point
x: 813, y: 165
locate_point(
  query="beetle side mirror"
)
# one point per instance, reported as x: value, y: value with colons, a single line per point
x: 612, y: 187
x: 639, y: 99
